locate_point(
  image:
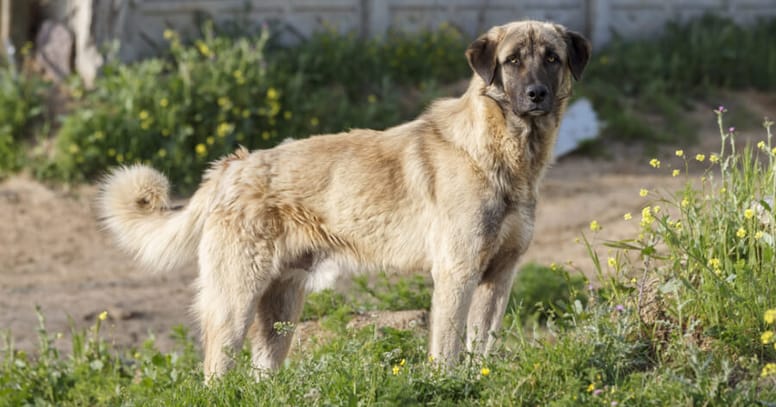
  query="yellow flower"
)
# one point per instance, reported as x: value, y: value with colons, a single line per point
x: 371, y: 98
x: 246, y: 113
x: 143, y: 114
x: 595, y: 226
x: 758, y: 235
x: 73, y: 148
x: 265, y: 135
x: 484, y: 371
x: 655, y: 163
x: 200, y: 149
x: 675, y: 173
x: 163, y: 102
x: 99, y: 135
x: 223, y: 129
x: 162, y: 153
x: 591, y: 388
x: 680, y: 153
x: 749, y: 213
x: 403, y: 362
x: 224, y: 102
x: 627, y: 216
x: 210, y: 141
x: 169, y: 34
x: 761, y: 145
x: 770, y: 316
x: 656, y: 209
x: 768, y: 370
x: 741, y: 233
x: 766, y: 337
x: 111, y: 152
x: 272, y: 94
x: 612, y: 262
x: 395, y: 370
x: 287, y: 115
x: 714, y: 158
x: 700, y: 157
x: 714, y: 263
x: 773, y: 150
x: 643, y: 192
x: 646, y: 216
x: 203, y: 48
x: 314, y: 122
x: 103, y: 315
x: 685, y: 202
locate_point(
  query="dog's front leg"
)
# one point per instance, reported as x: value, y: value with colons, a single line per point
x: 489, y: 303
x: 449, y: 305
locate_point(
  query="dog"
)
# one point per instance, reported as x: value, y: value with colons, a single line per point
x: 452, y: 193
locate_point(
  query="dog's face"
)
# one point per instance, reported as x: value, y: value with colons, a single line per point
x: 528, y: 65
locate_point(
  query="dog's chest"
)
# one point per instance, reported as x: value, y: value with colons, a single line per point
x: 507, y: 221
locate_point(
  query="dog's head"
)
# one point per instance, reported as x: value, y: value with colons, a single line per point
x: 527, y: 66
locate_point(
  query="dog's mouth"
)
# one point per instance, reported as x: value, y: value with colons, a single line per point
x: 537, y: 112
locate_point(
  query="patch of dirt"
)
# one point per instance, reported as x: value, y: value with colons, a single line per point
x: 53, y: 255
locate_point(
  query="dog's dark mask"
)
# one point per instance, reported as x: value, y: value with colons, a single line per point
x: 527, y: 66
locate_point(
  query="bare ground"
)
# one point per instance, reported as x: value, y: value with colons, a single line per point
x: 53, y: 255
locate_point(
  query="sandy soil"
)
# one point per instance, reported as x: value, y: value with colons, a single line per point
x: 53, y: 255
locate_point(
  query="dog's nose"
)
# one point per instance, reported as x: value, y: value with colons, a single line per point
x: 536, y: 93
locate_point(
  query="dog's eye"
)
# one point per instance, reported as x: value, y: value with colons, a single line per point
x: 512, y: 59
x: 552, y: 59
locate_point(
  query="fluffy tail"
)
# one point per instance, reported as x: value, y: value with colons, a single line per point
x: 133, y: 205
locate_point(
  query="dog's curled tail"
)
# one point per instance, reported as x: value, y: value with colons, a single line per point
x: 133, y: 205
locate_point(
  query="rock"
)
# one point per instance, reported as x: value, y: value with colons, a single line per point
x: 579, y: 124
x: 54, y: 45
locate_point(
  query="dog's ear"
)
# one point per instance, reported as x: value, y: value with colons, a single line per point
x: 578, y: 49
x: 481, y: 55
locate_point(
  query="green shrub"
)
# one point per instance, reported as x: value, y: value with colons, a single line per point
x: 207, y: 97
x: 21, y: 108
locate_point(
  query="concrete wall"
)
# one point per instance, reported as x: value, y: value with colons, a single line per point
x: 140, y: 22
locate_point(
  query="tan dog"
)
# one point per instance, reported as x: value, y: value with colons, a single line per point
x: 452, y: 192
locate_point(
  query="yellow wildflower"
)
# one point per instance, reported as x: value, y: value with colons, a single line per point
x: 674, y: 173
x: 111, y: 152
x: 203, y: 48
x: 371, y: 98
x: 169, y: 34
x: 741, y: 233
x: 685, y: 202
x: 758, y: 235
x: 73, y: 148
x: 748, y: 213
x: 770, y: 316
x: 761, y: 145
x: 272, y: 94
x: 680, y: 153
x: 714, y: 158
x: 595, y: 226
x: 210, y: 141
x: 768, y: 370
x: 103, y: 315
x: 773, y: 150
x: 287, y: 115
x: 714, y: 263
x: 224, y: 129
x: 700, y: 157
x: 612, y: 262
x: 162, y: 153
x: 655, y: 163
x: 265, y: 135
x: 143, y: 114
x: 200, y: 149
x: 224, y: 102
x: 591, y: 388
x: 395, y: 370
x: 403, y: 362
x: 314, y: 122
x: 766, y: 337
x: 643, y: 192
x: 627, y: 216
x: 163, y: 102
x: 484, y: 371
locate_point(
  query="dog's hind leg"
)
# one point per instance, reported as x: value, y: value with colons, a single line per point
x: 270, y: 334
x: 229, y: 286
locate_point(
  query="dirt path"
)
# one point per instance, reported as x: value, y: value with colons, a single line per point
x: 53, y: 255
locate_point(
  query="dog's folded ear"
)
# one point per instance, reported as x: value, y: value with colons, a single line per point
x: 481, y: 55
x: 578, y: 49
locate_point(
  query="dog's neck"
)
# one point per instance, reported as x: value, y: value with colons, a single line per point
x: 512, y: 152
